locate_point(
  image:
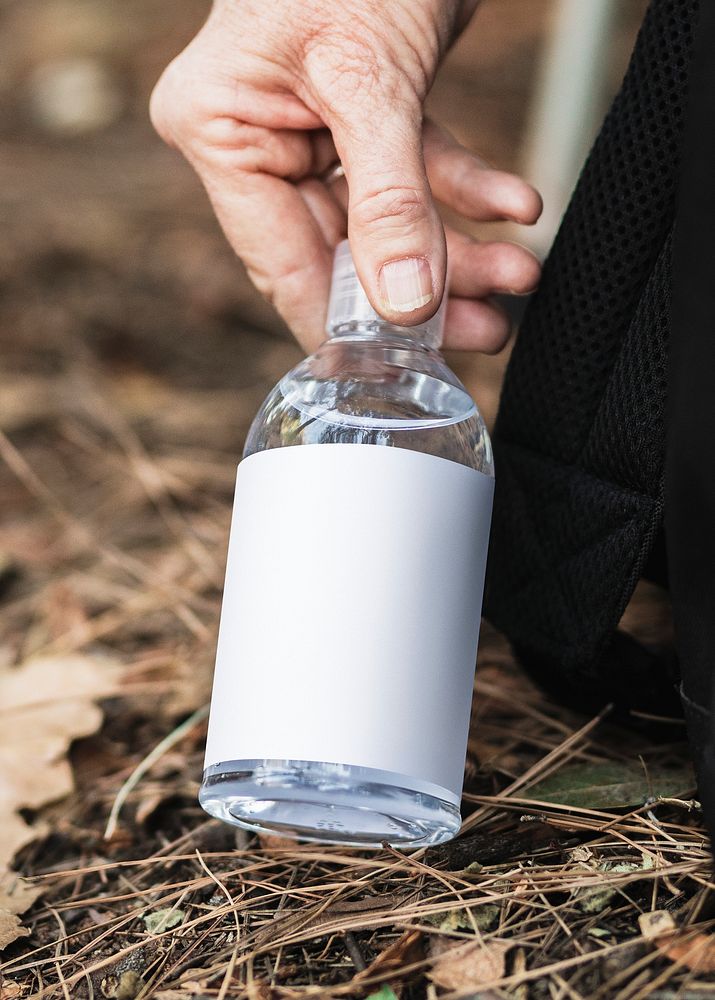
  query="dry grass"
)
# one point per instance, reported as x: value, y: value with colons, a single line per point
x: 113, y: 530
x: 128, y: 531
x: 293, y: 920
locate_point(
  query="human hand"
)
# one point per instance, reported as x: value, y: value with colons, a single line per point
x: 268, y: 96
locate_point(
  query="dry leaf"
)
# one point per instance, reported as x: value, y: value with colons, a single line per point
x: 483, y: 917
x: 460, y: 966
x: 10, y: 929
x: 696, y: 951
x: 276, y: 841
x: 406, y: 950
x: 17, y: 894
x: 582, y: 855
x: 126, y: 986
x: 9, y: 990
x: 656, y: 924
x: 593, y: 899
x: 45, y: 704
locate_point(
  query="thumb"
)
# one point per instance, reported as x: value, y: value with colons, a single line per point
x: 396, y: 234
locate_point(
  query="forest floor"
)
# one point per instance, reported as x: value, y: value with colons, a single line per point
x: 134, y: 356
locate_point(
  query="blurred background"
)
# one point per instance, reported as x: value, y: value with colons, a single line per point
x: 133, y: 351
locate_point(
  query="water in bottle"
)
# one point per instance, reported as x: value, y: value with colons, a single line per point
x: 351, y: 609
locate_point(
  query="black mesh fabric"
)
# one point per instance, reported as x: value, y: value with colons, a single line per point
x: 579, y: 440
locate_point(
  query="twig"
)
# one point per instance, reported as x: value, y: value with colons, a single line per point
x: 151, y: 758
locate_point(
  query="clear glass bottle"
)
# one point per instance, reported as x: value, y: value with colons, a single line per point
x: 370, y: 383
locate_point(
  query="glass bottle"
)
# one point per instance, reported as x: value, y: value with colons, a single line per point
x: 351, y: 610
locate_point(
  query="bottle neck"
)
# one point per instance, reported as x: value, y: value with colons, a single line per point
x: 380, y: 331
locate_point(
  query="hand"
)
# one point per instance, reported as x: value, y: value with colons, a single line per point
x: 268, y: 95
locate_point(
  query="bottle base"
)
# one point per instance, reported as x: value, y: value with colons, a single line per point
x: 328, y: 803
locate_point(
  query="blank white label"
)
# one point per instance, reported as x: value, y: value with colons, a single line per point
x: 351, y: 611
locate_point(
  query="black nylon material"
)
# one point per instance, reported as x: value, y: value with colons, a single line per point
x: 579, y: 440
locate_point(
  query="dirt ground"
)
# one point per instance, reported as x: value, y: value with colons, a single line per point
x: 133, y: 357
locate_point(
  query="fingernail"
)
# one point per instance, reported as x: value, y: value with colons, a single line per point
x: 406, y: 285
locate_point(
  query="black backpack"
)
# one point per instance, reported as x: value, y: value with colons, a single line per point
x: 603, y: 455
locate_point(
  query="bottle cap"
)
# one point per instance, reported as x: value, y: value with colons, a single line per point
x: 349, y: 304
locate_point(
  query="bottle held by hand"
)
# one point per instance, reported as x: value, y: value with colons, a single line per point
x: 352, y: 602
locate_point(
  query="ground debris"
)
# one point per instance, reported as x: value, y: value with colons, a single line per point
x: 126, y: 986
x: 459, y: 966
x: 495, y: 847
x: 16, y: 896
x: 46, y: 703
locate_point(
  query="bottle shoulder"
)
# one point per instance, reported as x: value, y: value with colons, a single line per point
x: 374, y: 393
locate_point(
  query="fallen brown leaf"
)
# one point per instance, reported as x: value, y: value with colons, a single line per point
x: 696, y: 951
x: 461, y: 966
x: 16, y: 896
x: 45, y: 704
x: 277, y: 842
x: 406, y: 950
x: 10, y: 929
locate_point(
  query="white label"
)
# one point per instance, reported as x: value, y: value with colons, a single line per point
x: 351, y: 611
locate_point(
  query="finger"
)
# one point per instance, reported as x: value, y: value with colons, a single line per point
x: 324, y: 153
x: 476, y: 326
x: 479, y: 269
x: 325, y: 209
x: 471, y: 187
x: 396, y: 234
x: 273, y: 231
x: 338, y: 187
x: 266, y: 219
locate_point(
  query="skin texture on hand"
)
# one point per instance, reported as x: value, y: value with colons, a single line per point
x: 268, y: 96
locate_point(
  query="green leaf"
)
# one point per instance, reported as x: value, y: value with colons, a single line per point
x: 384, y: 993
x: 612, y: 784
x: 163, y: 920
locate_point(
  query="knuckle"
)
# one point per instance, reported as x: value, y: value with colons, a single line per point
x: 283, y: 285
x: 161, y: 107
x: 201, y: 117
x: 175, y: 106
x: 187, y: 109
x: 336, y: 59
x: 392, y: 207
x: 348, y: 70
